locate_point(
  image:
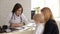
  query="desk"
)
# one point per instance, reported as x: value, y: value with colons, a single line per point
x: 30, y: 30
x: 21, y: 32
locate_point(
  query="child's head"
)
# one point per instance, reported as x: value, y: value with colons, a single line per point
x: 38, y: 18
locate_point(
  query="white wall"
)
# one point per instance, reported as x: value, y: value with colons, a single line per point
x: 6, y: 7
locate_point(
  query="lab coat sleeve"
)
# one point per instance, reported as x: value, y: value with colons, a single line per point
x: 24, y: 19
x: 8, y: 17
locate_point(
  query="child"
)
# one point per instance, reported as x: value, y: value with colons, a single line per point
x: 39, y: 20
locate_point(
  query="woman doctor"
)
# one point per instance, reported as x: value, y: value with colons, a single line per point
x: 17, y: 18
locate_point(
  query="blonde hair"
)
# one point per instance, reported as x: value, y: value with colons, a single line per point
x: 46, y: 11
x: 39, y: 17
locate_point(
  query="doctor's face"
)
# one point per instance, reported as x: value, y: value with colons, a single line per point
x: 18, y: 12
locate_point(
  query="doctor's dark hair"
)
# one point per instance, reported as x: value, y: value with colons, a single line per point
x: 16, y: 7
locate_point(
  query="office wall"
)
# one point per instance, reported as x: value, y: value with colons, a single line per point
x: 6, y: 7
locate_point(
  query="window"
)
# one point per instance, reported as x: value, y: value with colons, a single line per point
x: 52, y: 4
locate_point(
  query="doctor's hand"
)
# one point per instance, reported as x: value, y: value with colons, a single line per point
x: 15, y: 25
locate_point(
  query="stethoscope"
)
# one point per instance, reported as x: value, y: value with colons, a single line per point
x: 13, y: 17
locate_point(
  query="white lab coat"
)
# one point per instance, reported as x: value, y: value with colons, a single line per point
x: 17, y: 19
